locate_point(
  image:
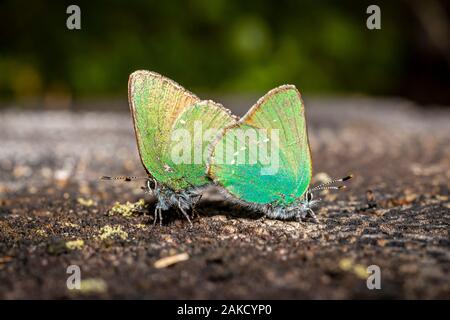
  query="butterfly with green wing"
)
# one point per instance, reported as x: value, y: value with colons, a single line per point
x: 264, y: 160
x: 159, y: 107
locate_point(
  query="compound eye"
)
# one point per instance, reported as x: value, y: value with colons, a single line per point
x: 309, y: 196
x: 151, y: 183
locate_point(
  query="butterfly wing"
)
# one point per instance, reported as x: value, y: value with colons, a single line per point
x: 280, y: 174
x: 157, y: 104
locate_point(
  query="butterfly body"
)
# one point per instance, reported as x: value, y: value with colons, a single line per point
x: 297, y: 210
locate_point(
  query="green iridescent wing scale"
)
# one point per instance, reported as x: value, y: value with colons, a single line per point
x: 157, y: 105
x: 193, y: 131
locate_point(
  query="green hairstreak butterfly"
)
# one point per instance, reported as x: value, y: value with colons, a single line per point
x: 264, y: 160
x: 162, y: 109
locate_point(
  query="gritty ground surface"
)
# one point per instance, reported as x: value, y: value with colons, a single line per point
x: 54, y: 213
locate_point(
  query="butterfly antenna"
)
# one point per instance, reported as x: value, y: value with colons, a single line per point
x: 328, y: 188
x: 123, y: 178
x: 326, y: 185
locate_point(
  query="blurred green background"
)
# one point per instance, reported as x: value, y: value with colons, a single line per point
x: 221, y: 47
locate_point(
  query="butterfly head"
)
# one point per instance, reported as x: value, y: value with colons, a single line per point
x: 305, y: 202
x: 309, y: 200
x: 302, y: 206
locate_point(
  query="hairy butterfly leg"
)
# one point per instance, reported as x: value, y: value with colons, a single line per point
x: 155, y: 216
x: 312, y: 215
x: 160, y: 217
x: 194, y: 212
x: 185, y: 214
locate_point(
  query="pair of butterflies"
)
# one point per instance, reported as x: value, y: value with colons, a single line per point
x: 160, y: 107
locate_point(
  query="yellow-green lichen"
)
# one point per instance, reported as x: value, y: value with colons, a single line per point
x: 127, y: 209
x: 140, y: 226
x: 112, y: 232
x: 41, y: 232
x: 75, y: 244
x: 86, y: 202
x: 93, y: 285
x: 69, y: 224
x: 348, y: 265
x: 360, y: 271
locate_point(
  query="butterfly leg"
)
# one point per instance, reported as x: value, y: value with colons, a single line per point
x: 301, y: 214
x: 194, y: 212
x: 313, y: 215
x: 186, y: 215
x: 160, y: 217
x: 155, y: 216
